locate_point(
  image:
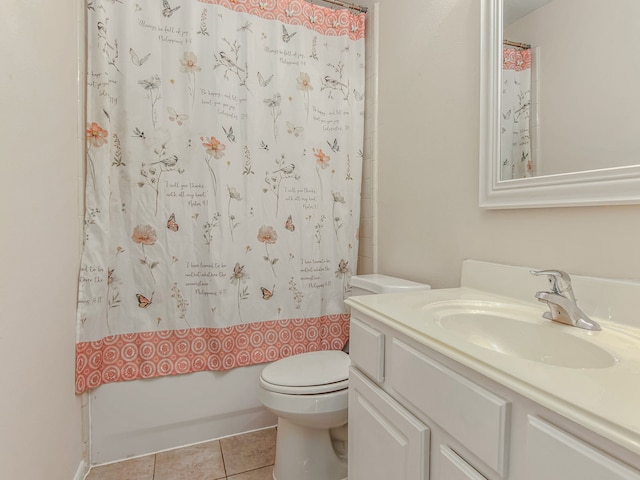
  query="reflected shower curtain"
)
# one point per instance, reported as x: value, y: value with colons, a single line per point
x: 515, y: 147
x: 224, y: 149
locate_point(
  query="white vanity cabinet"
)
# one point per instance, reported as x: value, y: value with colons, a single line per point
x: 415, y: 414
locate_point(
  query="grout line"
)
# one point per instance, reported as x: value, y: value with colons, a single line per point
x: 224, y: 465
x: 251, y: 470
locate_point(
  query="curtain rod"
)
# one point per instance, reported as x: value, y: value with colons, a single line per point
x: 347, y: 5
x: 526, y: 46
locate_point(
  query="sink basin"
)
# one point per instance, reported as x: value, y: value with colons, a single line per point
x: 520, y: 332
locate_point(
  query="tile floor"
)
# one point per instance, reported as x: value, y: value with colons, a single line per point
x: 249, y: 456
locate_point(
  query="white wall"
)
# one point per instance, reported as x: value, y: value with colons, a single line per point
x: 40, y: 431
x: 429, y: 220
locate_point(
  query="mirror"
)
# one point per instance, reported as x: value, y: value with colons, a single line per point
x: 572, y: 136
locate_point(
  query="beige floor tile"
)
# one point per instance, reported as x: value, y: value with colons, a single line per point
x: 249, y: 451
x: 134, y: 469
x: 265, y: 473
x: 197, y: 462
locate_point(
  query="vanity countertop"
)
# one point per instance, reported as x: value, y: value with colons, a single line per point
x: 605, y: 400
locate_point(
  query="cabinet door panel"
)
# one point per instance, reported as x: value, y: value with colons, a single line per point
x: 367, y: 349
x: 385, y: 441
x: 553, y: 454
x: 452, y: 467
x: 469, y: 413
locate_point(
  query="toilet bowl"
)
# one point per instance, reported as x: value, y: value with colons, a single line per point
x: 309, y: 394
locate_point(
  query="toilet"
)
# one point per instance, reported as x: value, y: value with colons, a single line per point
x: 309, y: 394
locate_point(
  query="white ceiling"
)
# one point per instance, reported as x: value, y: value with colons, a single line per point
x: 515, y: 9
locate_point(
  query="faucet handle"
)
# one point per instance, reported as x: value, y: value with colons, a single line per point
x: 562, y: 302
x: 559, y: 281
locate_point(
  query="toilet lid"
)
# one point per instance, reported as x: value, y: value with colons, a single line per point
x: 308, y: 373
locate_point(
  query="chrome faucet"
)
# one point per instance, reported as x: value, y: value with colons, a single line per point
x: 561, y: 301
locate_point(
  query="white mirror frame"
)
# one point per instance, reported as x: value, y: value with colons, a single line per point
x: 609, y: 186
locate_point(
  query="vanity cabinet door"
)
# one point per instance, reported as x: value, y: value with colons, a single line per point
x: 367, y: 349
x: 553, y: 454
x: 385, y: 441
x: 471, y: 414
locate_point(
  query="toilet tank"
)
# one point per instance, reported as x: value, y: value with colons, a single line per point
x: 377, y: 283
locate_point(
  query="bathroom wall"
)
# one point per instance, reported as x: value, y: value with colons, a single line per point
x: 40, y: 430
x: 429, y: 220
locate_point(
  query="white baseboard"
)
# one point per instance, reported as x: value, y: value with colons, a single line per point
x: 82, y: 471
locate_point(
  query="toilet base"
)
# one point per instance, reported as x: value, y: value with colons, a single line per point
x: 306, y: 454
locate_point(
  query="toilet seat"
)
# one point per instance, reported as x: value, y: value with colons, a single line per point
x: 306, y: 390
x: 308, y: 373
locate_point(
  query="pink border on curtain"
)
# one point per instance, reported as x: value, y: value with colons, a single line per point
x: 298, y: 12
x: 516, y: 59
x: 134, y: 356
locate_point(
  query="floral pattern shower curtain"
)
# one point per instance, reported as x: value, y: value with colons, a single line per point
x: 224, y: 150
x: 515, y: 148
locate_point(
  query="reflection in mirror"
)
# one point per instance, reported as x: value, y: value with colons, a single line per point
x: 518, y: 156
x: 569, y: 103
x: 583, y: 127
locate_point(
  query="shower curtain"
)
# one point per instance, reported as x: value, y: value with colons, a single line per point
x: 515, y: 147
x: 224, y: 156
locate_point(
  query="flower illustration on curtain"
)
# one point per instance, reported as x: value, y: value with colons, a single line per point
x: 109, y: 48
x: 343, y: 273
x: 213, y: 149
x: 182, y: 304
x: 274, y: 104
x: 297, y: 294
x: 304, y: 85
x: 203, y: 23
x: 189, y: 65
x: 239, y: 277
x: 145, y: 235
x: 318, y: 229
x: 117, y: 152
x: 274, y: 179
x: 268, y: 236
x: 348, y: 175
x: 337, y: 224
x: 96, y: 137
x: 151, y: 174
x: 314, y: 49
x: 322, y: 162
x: 248, y: 170
x: 233, y: 195
x: 113, y: 293
x: 152, y: 86
x: 209, y: 226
